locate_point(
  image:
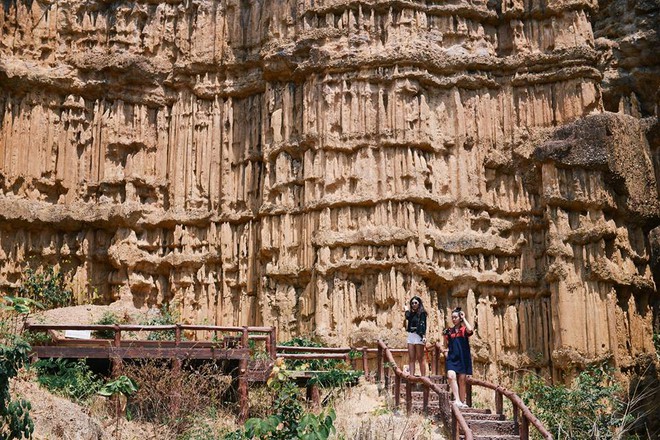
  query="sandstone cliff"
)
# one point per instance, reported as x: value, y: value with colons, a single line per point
x: 311, y: 164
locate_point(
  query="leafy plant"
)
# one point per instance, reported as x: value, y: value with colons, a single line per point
x: 590, y: 408
x: 312, y: 364
x: 15, y: 421
x: 108, y: 318
x: 71, y: 379
x: 354, y: 354
x: 257, y: 352
x: 122, y: 385
x: 48, y: 287
x: 289, y: 421
x: 336, y: 378
x: 14, y: 312
x: 168, y: 316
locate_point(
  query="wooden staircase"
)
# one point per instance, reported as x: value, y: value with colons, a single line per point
x: 488, y: 426
x: 431, y: 395
x: 484, y: 424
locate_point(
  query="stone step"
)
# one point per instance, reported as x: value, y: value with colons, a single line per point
x: 481, y: 416
x: 493, y: 437
x: 492, y: 427
x: 476, y: 411
x: 420, y: 388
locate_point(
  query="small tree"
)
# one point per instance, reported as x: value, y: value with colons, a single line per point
x: 15, y: 421
x: 290, y: 420
x: 48, y: 287
x: 122, y: 386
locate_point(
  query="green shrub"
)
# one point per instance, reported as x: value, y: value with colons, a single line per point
x: 289, y: 421
x: 168, y: 316
x: 67, y: 378
x: 590, y: 409
x: 336, y: 378
x: 108, y: 318
x: 47, y: 287
x: 312, y: 364
x: 15, y: 421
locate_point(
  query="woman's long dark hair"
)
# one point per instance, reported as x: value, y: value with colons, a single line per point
x: 420, y: 309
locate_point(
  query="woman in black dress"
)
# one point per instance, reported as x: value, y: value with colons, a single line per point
x: 416, y: 328
x: 458, y: 357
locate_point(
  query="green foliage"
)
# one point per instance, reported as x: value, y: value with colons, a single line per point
x: 14, y: 312
x: 289, y: 421
x: 46, y: 287
x: 354, y: 354
x: 257, y: 352
x: 312, y: 364
x: 168, y: 316
x: 590, y: 408
x: 122, y: 385
x: 15, y: 421
x: 336, y: 378
x: 108, y: 318
x: 67, y: 378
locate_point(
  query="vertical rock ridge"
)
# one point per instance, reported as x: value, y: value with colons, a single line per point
x: 312, y: 164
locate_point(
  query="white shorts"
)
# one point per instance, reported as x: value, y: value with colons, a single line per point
x: 414, y: 338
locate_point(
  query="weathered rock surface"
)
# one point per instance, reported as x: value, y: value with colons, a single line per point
x: 312, y: 164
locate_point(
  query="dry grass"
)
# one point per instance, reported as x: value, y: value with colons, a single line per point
x: 175, y: 397
x: 362, y: 415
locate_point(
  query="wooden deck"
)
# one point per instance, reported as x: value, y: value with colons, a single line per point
x: 129, y: 342
x: 176, y: 342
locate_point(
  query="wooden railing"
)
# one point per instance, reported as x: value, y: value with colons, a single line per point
x: 522, y: 420
x: 385, y: 356
x: 236, y: 346
x: 348, y: 354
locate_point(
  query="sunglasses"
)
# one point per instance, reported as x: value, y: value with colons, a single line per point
x: 415, y: 302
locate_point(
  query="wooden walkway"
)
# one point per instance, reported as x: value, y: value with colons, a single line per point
x: 176, y: 342
x: 429, y: 395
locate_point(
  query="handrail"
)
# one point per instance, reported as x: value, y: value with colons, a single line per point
x: 143, y: 327
x: 266, y: 334
x: 400, y: 374
x: 517, y: 403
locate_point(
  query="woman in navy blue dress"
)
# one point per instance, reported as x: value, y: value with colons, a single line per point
x: 458, y: 358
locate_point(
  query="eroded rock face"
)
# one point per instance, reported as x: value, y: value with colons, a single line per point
x: 313, y: 164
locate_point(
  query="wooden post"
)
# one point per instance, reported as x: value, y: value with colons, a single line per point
x: 381, y: 365
x: 454, y: 427
x: 115, y: 358
x: 272, y: 343
x: 314, y: 395
x: 524, y: 428
x: 397, y: 390
x: 365, y: 363
x: 425, y: 395
x: 438, y: 350
x: 242, y: 381
x: 409, y: 386
x: 176, y: 390
x: 117, y: 342
x: 177, y: 335
x: 515, y: 417
x: 499, y: 402
x: 468, y: 393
